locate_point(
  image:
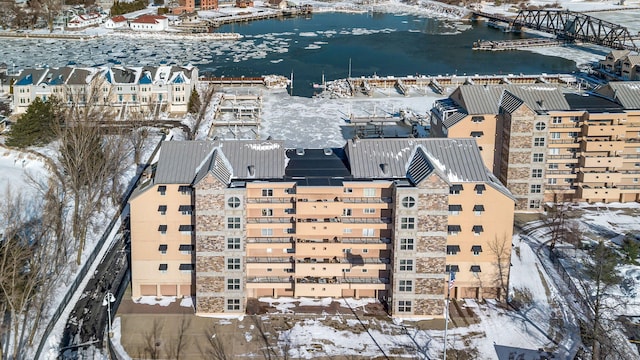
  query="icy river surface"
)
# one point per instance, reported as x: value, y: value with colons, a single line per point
x: 329, y: 44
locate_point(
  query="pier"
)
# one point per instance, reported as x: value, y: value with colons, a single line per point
x: 503, y: 45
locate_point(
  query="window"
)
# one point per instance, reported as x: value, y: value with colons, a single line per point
x: 346, y: 270
x: 536, y: 189
x: 480, y: 188
x: 404, y: 306
x: 406, y: 244
x: 477, y: 119
x: 369, y: 211
x: 266, y: 232
x: 162, y: 190
x: 475, y: 269
x: 556, y: 120
x: 406, y: 265
x: 407, y: 223
x: 162, y: 209
x: 233, y: 223
x: 185, y: 229
x: 185, y: 209
x: 575, y: 118
x: 369, y: 192
x: 184, y: 189
x: 534, y: 204
x: 233, y: 284
x: 346, y: 230
x: 552, y: 181
x: 536, y: 173
x: 538, y: 157
x: 453, y: 229
x: 540, y: 126
x: 368, y: 232
x: 233, y: 202
x: 233, y: 243
x: 186, y: 267
x: 346, y: 212
x: 476, y: 134
x: 555, y: 135
x: 455, y: 189
x: 233, y: 304
x: 162, y: 229
x: 452, y: 268
x: 553, y: 166
x: 233, y: 263
x: 267, y: 212
x: 478, y: 209
x: 163, y: 268
x: 348, y: 190
x: 267, y: 192
x: 408, y: 201
x: 453, y: 249
x: 163, y: 249
x: 538, y: 141
x: 185, y: 249
x: 476, y: 249
x: 455, y: 209
x: 477, y: 230
x: 554, y: 151
x: 405, y: 285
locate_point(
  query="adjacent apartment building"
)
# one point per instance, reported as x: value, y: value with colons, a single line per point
x: 230, y: 221
x: 149, y: 88
x: 545, y: 143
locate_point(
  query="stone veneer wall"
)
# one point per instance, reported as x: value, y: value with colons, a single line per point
x: 429, y: 254
x: 210, y: 245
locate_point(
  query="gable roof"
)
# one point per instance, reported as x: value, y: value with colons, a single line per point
x: 148, y: 19
x: 488, y: 99
x: 119, y: 18
x: 627, y: 93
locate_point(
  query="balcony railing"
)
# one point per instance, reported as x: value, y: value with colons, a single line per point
x: 364, y: 240
x: 561, y: 156
x: 564, y: 141
x: 366, y: 220
x: 333, y: 199
x: 270, y: 200
x: 361, y: 280
x: 268, y: 260
x: 559, y: 126
x: 318, y: 241
x: 316, y: 220
x: 345, y: 280
x: 631, y: 156
x: 269, y: 220
x: 365, y: 260
x: 269, y: 240
x: 628, y: 187
x: 367, y: 200
x: 271, y: 280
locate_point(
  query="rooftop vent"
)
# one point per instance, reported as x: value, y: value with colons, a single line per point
x: 300, y: 151
x: 385, y: 168
x: 252, y: 170
x: 328, y: 151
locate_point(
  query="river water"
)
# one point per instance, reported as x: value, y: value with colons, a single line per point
x: 322, y: 44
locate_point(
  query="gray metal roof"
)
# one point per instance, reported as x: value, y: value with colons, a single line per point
x: 79, y: 77
x: 485, y: 99
x: 454, y: 118
x: 458, y: 159
x: 627, y: 93
x: 179, y: 161
x: 182, y: 162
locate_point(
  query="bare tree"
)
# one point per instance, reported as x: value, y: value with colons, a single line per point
x: 153, y: 340
x: 555, y: 219
x: 215, y: 347
x: 176, y: 346
x: 47, y: 9
x: 500, y: 248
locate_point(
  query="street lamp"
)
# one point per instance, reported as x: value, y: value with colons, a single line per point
x: 107, y: 300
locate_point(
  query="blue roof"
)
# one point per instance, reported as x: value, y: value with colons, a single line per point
x: 108, y: 76
x: 27, y: 80
x: 146, y: 79
x: 179, y: 79
x: 57, y: 81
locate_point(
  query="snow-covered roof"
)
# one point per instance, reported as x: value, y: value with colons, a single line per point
x: 149, y: 19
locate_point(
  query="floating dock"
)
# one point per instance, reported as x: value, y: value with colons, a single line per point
x: 515, y: 44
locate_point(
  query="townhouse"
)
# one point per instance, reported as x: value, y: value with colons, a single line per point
x: 545, y: 143
x: 236, y: 220
x: 161, y: 88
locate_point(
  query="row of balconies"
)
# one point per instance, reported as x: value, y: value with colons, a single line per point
x: 282, y: 200
x: 343, y: 260
x: 346, y: 240
x: 344, y: 280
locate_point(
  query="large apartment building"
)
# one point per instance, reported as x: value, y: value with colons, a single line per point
x: 160, y: 88
x: 229, y: 221
x: 545, y: 143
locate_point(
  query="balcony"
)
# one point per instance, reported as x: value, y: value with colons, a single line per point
x: 600, y: 177
x: 269, y: 220
x: 599, y: 192
x: 344, y: 280
x: 269, y: 240
x: 363, y: 280
x: 603, y: 145
x: 563, y: 141
x: 367, y: 200
x: 568, y: 156
x: 270, y: 200
x: 268, y: 260
x: 364, y: 240
x: 331, y: 199
x: 366, y: 220
x: 631, y: 156
x: 359, y: 260
x: 628, y: 187
x: 270, y: 280
x: 318, y: 241
x: 603, y: 162
x: 323, y: 220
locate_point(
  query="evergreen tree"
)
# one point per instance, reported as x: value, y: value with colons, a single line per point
x: 194, y: 102
x: 35, y: 127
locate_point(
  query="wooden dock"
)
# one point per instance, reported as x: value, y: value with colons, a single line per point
x: 515, y: 44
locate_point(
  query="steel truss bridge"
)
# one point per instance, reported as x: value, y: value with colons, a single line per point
x: 569, y: 25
